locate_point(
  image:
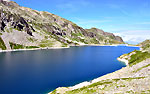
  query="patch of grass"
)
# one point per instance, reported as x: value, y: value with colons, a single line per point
x: 55, y: 37
x: 138, y: 57
x: 146, y: 46
x: 94, y: 40
x: 2, y: 44
x: 99, y: 83
x: 112, y: 37
x: 32, y: 40
x: 101, y: 38
x: 53, y: 92
x: 30, y: 47
x: 64, y: 30
x: 76, y: 34
x: 16, y: 46
x: 64, y: 45
x: 142, y: 68
x: 132, y: 78
x: 46, y: 37
x: 75, y: 39
x: 88, y: 89
x: 19, y: 46
x: 94, y: 87
x: 84, y: 41
x: 114, y: 42
x: 131, y: 92
x: 127, y: 78
x: 46, y: 43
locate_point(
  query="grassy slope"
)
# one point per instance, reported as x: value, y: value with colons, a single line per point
x: 2, y: 44
x: 138, y: 57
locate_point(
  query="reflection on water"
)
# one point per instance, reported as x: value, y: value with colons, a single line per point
x: 44, y: 70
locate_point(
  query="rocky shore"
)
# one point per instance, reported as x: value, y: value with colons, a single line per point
x: 130, y: 79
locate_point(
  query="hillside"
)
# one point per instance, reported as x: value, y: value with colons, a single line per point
x: 133, y: 79
x: 24, y: 28
x: 145, y: 45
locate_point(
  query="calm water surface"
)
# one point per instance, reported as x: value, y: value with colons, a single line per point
x: 38, y: 72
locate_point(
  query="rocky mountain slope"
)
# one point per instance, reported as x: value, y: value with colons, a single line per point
x: 22, y: 28
x: 133, y: 79
x: 145, y: 45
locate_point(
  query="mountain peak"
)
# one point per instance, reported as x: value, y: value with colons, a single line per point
x: 8, y: 3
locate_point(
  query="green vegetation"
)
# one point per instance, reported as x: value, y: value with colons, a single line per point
x: 101, y: 38
x: 111, y: 37
x: 2, y: 44
x: 32, y: 39
x: 54, y: 92
x: 43, y: 24
x: 76, y: 34
x: 31, y: 47
x: 84, y: 41
x: 57, y: 38
x: 46, y: 37
x: 107, y: 84
x: 64, y: 45
x: 75, y: 39
x: 145, y: 45
x: 138, y: 57
x: 46, y: 43
x: 88, y: 89
x: 142, y: 68
x: 94, y: 40
x: 18, y: 46
x: 114, y: 42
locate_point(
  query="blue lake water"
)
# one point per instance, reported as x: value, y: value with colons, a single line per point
x: 40, y: 71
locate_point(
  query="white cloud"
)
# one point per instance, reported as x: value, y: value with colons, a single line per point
x: 7, y: 0
x: 135, y: 36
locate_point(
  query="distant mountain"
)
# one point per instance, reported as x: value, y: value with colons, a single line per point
x: 22, y: 28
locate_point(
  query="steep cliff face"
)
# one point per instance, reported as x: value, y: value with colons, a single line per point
x: 22, y: 27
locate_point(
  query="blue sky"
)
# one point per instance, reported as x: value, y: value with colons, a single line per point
x: 127, y: 18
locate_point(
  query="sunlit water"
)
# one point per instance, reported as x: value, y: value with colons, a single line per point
x: 40, y: 71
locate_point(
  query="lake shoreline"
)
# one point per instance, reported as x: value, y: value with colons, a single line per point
x: 62, y: 90
x: 13, y: 50
x: 104, y: 77
x: 123, y: 73
x: 123, y: 60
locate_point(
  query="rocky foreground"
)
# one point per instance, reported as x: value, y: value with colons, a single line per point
x: 135, y: 78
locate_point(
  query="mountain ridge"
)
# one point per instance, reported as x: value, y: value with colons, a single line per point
x: 22, y: 28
